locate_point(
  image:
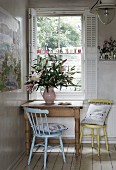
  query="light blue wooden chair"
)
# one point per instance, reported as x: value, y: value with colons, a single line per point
x: 42, y: 129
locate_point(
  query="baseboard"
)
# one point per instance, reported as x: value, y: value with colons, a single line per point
x: 71, y: 140
x: 111, y: 140
x: 65, y: 140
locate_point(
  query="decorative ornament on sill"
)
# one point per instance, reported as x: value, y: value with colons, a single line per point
x: 108, y: 50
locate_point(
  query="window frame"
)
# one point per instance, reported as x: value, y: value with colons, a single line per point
x: 73, y: 95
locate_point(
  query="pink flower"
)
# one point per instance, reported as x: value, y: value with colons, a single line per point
x: 29, y: 87
x: 99, y: 47
x: 110, y: 38
x: 106, y: 41
x: 64, y: 61
x: 104, y: 46
x: 63, y: 68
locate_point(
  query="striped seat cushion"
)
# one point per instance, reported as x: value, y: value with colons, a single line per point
x: 53, y: 127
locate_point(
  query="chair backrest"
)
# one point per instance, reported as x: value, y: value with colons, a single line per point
x: 38, y: 120
x: 100, y: 101
x: 103, y: 102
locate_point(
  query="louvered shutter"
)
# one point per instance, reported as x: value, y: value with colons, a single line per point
x: 32, y: 37
x: 90, y: 56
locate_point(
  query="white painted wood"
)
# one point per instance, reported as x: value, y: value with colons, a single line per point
x: 90, y: 55
x: 32, y: 36
x: 60, y: 3
x: 59, y: 11
x: 91, y: 78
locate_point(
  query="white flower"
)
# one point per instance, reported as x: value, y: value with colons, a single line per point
x: 36, y: 76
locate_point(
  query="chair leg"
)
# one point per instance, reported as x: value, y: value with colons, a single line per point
x: 98, y: 141
x: 62, y: 148
x: 45, y: 152
x: 31, y: 150
x: 106, y: 138
x: 81, y: 135
x: 92, y: 137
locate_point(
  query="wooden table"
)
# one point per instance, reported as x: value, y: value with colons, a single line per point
x: 55, y: 110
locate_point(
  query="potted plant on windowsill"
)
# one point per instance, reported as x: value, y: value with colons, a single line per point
x: 49, y: 73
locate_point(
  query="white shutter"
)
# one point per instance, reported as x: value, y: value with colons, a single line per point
x: 90, y: 56
x: 32, y: 36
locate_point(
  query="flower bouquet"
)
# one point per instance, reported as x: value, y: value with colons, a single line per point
x: 50, y: 72
x: 108, y: 49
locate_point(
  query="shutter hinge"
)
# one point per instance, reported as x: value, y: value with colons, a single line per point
x: 30, y: 16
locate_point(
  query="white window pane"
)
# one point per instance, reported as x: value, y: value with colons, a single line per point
x: 62, y: 36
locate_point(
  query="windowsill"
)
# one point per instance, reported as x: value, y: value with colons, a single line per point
x: 70, y: 96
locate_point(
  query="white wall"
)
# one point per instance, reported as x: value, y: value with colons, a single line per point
x: 12, y: 131
x: 107, y: 69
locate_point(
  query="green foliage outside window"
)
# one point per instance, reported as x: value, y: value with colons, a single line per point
x: 54, y: 32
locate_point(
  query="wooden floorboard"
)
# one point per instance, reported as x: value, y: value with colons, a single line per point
x: 112, y: 152
x: 76, y: 161
x: 96, y: 160
x: 16, y: 164
x: 105, y: 158
x: 52, y: 160
x: 88, y: 159
x: 22, y: 163
x: 69, y: 157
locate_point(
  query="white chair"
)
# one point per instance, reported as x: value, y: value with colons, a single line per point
x: 43, y: 129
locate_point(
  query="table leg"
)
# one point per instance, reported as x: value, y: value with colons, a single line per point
x: 27, y: 136
x: 77, y: 132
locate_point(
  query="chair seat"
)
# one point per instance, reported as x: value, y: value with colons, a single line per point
x: 52, y: 128
x: 51, y: 135
x: 92, y: 126
x: 92, y: 121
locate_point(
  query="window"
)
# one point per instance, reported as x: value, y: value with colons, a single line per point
x: 62, y: 36
x: 83, y: 52
x: 59, y: 33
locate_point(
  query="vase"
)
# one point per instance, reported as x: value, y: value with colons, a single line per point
x: 49, y: 96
